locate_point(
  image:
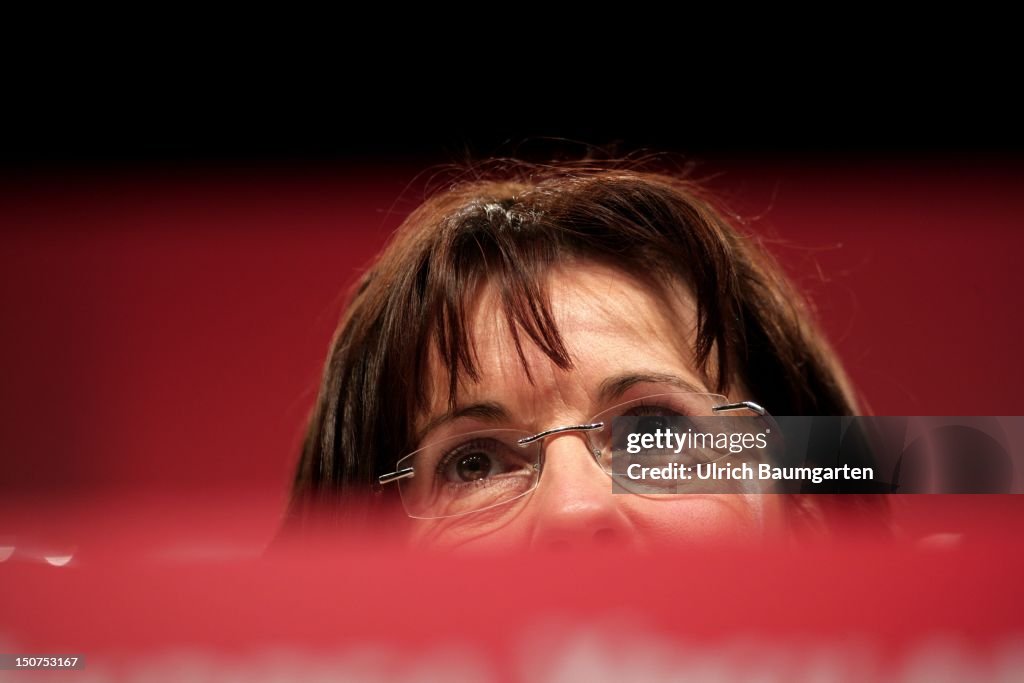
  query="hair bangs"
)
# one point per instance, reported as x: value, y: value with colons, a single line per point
x: 491, y: 245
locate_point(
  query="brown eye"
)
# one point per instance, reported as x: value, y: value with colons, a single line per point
x: 473, y: 467
x: 476, y: 460
x: 651, y: 423
x: 652, y: 418
x: 480, y: 460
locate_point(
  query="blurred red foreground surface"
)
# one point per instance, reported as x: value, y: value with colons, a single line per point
x: 185, y: 592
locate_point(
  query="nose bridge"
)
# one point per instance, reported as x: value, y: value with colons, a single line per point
x: 574, y: 502
x: 567, y: 439
x: 572, y: 477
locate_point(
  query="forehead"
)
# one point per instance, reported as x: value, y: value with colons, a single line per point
x: 609, y: 320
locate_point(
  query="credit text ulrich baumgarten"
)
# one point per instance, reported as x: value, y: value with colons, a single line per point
x: 663, y: 440
x: 717, y: 471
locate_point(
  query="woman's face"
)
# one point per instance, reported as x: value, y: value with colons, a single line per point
x: 614, y: 327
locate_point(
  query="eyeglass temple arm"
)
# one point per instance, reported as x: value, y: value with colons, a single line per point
x: 395, y: 476
x: 742, y: 405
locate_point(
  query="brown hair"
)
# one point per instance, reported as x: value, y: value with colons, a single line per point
x: 507, y: 221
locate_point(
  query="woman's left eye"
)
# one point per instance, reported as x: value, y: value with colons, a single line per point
x: 652, y: 418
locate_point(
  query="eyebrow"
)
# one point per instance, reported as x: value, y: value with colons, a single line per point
x: 616, y: 386
x: 609, y: 390
x: 488, y: 411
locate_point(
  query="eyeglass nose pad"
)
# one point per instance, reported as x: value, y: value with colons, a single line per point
x: 594, y: 450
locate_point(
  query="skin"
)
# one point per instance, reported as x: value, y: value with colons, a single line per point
x: 612, y: 324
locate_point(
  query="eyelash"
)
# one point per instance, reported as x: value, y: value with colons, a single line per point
x: 656, y: 406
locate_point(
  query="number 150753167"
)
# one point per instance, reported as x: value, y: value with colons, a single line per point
x: 19, y: 661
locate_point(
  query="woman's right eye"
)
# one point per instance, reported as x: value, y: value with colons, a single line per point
x: 475, y: 461
x: 472, y: 467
